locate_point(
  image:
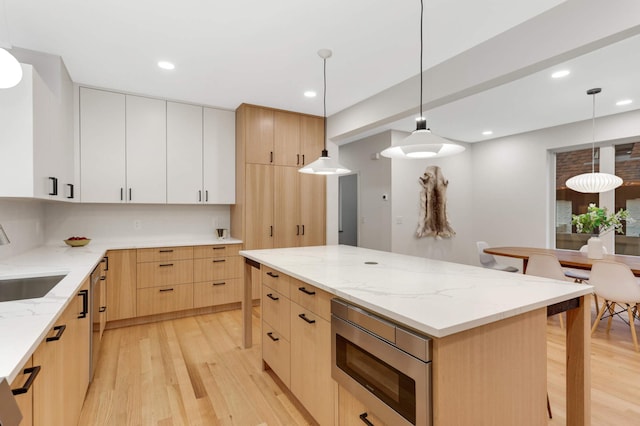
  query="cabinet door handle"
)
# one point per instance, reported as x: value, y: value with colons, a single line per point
x: 129, y: 194
x: 162, y: 290
x: 206, y: 196
x: 302, y: 229
x: 165, y: 251
x: 297, y: 229
x: 272, y: 275
x: 70, y: 186
x: 364, y: 419
x: 271, y: 230
x: 297, y: 159
x: 103, y: 278
x: 85, y: 303
x: 60, y: 330
x: 54, y: 187
x: 102, y: 309
x: 271, y: 156
x: 121, y: 194
x: 106, y: 263
x: 33, y: 373
x: 218, y: 248
x: 305, y: 291
x: 220, y: 283
x: 303, y: 159
x: 162, y: 265
x: 304, y: 317
x: 270, y: 334
x: 219, y: 260
x: 272, y: 297
x: 199, y: 196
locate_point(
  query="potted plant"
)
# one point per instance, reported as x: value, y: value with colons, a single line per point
x: 598, y: 221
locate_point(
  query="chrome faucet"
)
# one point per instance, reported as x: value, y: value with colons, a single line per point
x: 3, y: 237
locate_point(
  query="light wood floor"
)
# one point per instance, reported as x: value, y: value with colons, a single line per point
x: 191, y: 371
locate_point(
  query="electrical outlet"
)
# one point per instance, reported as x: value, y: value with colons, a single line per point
x: 137, y: 224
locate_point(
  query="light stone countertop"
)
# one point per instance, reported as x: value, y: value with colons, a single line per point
x: 435, y: 297
x: 25, y: 323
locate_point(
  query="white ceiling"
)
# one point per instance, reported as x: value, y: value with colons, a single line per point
x: 264, y: 52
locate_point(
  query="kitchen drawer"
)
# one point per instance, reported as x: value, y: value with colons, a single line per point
x: 25, y: 400
x: 217, y: 268
x: 216, y: 251
x: 158, y: 300
x: 318, y: 302
x: 161, y: 254
x: 153, y: 274
x: 276, y: 280
x: 217, y: 292
x: 350, y: 409
x: 276, y: 310
x: 276, y: 351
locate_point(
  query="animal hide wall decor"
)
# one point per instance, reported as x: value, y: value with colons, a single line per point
x: 433, y: 205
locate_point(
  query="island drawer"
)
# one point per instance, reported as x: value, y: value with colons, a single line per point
x: 276, y: 280
x: 158, y: 300
x: 216, y: 250
x: 217, y: 292
x: 276, y: 310
x: 311, y: 298
x: 276, y: 351
x: 162, y: 254
x: 217, y: 268
x: 154, y: 274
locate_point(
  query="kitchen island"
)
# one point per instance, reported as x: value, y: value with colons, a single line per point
x: 488, y: 327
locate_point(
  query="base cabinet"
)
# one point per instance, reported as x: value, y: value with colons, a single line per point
x: 121, y: 284
x: 353, y: 412
x: 25, y: 400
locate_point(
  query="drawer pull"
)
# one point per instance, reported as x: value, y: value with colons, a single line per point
x: 165, y: 251
x: 162, y: 265
x: 364, y: 419
x: 304, y: 317
x: 60, y: 330
x: 305, y: 291
x: 102, y: 309
x: 272, y: 297
x: 218, y: 248
x: 272, y: 275
x: 270, y: 334
x: 220, y: 283
x: 33, y: 373
x: 162, y: 290
x: 219, y: 260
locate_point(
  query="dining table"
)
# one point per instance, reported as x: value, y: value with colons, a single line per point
x: 567, y: 258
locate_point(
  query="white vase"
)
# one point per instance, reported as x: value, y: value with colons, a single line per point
x: 595, y: 249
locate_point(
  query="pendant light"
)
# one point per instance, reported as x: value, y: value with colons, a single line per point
x: 325, y: 165
x: 10, y: 69
x: 422, y: 143
x: 594, y: 182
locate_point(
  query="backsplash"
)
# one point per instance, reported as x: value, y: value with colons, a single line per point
x: 23, y: 222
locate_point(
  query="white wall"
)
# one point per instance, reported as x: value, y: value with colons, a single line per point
x: 23, y: 221
x: 374, y: 213
x: 116, y: 222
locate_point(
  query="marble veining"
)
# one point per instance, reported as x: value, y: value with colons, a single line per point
x: 435, y: 297
x: 24, y: 323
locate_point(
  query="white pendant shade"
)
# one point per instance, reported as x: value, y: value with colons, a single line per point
x: 594, y: 182
x: 422, y: 144
x: 10, y: 70
x: 324, y: 165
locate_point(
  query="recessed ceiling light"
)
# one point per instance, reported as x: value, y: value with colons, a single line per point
x: 487, y: 132
x: 310, y: 94
x: 560, y: 74
x: 165, y: 65
x: 624, y: 102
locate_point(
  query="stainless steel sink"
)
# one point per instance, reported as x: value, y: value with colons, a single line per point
x: 27, y: 288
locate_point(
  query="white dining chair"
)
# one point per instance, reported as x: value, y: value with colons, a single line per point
x: 616, y: 284
x: 488, y: 261
x: 547, y: 266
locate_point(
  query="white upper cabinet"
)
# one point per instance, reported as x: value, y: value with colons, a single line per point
x: 36, y: 136
x: 146, y: 150
x: 102, y: 146
x: 184, y: 154
x: 219, y: 149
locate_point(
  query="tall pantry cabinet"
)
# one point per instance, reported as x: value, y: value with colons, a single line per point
x: 276, y: 206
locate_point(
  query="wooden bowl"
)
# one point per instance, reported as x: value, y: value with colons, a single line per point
x: 78, y: 243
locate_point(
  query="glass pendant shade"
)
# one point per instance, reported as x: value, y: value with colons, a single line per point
x: 10, y: 70
x: 422, y: 144
x: 594, y: 182
x: 324, y: 165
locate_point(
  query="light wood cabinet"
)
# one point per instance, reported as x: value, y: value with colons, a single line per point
x: 121, y: 284
x: 25, y: 400
x: 218, y: 273
x: 48, y: 396
x: 217, y: 292
x: 37, y: 135
x: 155, y: 274
x: 275, y: 205
x: 296, y: 340
x: 165, y: 254
x: 162, y: 299
x: 351, y: 411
